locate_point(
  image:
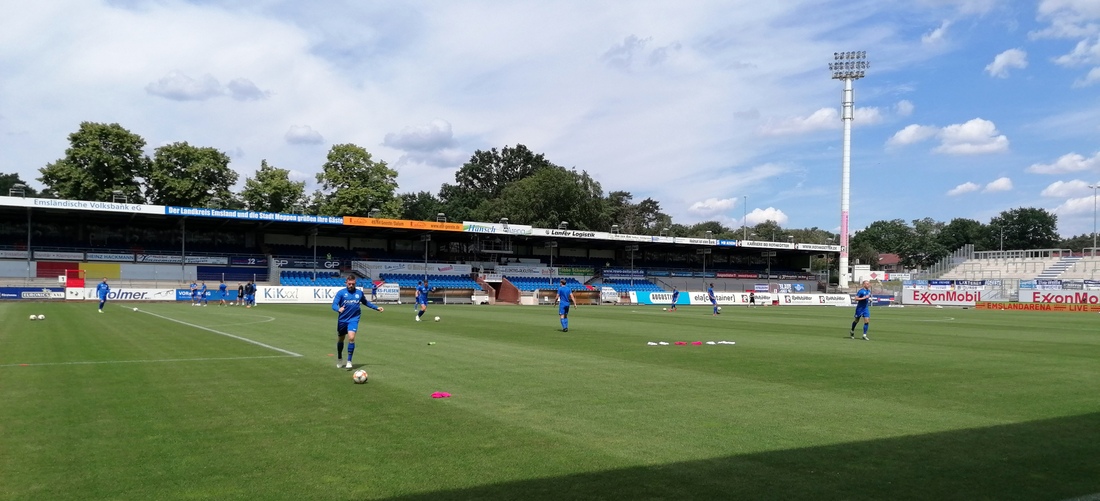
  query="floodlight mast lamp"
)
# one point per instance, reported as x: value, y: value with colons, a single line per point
x: 846, y: 66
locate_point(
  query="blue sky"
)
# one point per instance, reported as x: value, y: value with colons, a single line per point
x: 970, y: 107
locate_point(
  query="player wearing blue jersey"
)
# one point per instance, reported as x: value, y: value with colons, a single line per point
x: 675, y: 297
x: 565, y: 299
x: 202, y: 293
x: 421, y: 298
x: 101, y: 290
x: 863, y: 310
x: 222, y: 292
x: 713, y: 300
x: 249, y: 294
x: 194, y: 294
x: 346, y: 304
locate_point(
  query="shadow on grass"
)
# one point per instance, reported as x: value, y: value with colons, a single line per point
x: 1050, y: 459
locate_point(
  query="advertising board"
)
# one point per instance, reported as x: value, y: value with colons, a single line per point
x: 123, y: 294
x: 935, y: 297
x: 31, y: 293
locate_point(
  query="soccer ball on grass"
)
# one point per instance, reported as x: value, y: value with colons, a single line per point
x: 436, y: 319
x: 719, y: 308
x: 359, y: 376
x: 34, y: 317
x: 41, y: 317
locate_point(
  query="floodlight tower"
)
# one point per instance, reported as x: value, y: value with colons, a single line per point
x: 846, y: 66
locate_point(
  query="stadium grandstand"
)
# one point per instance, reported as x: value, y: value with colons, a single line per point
x: 61, y: 243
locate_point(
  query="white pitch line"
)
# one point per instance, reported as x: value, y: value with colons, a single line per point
x: 207, y: 359
x: 226, y: 334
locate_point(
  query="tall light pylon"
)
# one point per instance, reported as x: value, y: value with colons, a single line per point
x: 847, y: 66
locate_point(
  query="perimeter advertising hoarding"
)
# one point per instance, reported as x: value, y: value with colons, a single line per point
x: 742, y: 298
x: 318, y: 295
x: 1059, y: 297
x: 31, y: 293
x: 122, y: 294
x: 932, y: 297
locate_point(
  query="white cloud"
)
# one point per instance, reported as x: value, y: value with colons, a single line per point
x: 822, y: 119
x: 912, y: 134
x: 1070, y: 162
x: 966, y: 187
x: 978, y: 136
x: 1068, y: 18
x: 432, y: 136
x: 1064, y: 189
x: 303, y: 134
x: 1073, y: 206
x: 757, y: 216
x: 712, y: 206
x: 1009, y: 59
x: 1086, y: 52
x: 936, y: 36
x: 180, y: 87
x: 1092, y: 77
x: 999, y: 184
x: 904, y: 108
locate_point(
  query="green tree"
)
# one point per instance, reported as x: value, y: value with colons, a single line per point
x: 924, y: 248
x: 484, y: 177
x: 716, y: 229
x: 100, y: 159
x: 642, y: 218
x: 352, y: 184
x: 962, y: 231
x: 861, y: 252
x: 272, y: 190
x: 885, y: 237
x: 1023, y: 228
x: 549, y: 197
x: 7, y: 181
x: 190, y: 176
x: 1078, y: 242
x: 768, y: 231
x: 421, y: 206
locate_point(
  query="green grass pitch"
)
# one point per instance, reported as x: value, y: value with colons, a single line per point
x: 175, y: 402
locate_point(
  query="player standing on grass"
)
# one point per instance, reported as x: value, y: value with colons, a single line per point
x: 346, y: 303
x: 752, y: 299
x: 249, y: 294
x: 202, y: 293
x: 194, y: 294
x: 675, y: 297
x: 101, y: 290
x: 421, y: 298
x: 713, y: 300
x: 240, y: 293
x: 565, y: 299
x: 222, y: 290
x: 863, y: 310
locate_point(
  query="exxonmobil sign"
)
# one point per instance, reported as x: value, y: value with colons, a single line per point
x: 1059, y: 297
x: 940, y: 297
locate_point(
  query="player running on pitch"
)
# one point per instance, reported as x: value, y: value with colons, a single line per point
x: 421, y: 298
x: 675, y: 297
x: 346, y: 304
x: 565, y: 299
x: 102, y: 290
x: 863, y: 310
x: 222, y: 291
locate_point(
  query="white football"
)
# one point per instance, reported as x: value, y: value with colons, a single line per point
x: 436, y: 319
x: 34, y: 317
x: 719, y: 308
x: 135, y: 309
x: 664, y: 309
x: 41, y: 317
x: 359, y: 376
